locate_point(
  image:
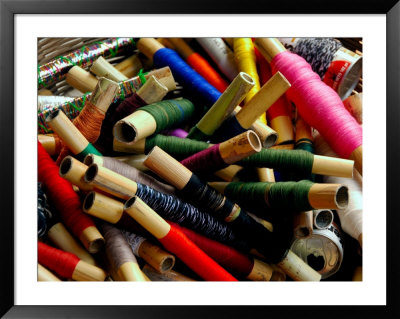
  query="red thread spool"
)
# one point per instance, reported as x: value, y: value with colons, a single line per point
x: 61, y: 262
x: 176, y: 242
x: 67, y: 202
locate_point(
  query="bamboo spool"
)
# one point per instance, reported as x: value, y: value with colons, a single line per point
x: 152, y: 91
x: 112, y: 183
x: 239, y: 147
x: 51, y: 143
x: 103, y: 207
x: 101, y: 67
x: 181, y: 46
x: 262, y: 100
x: 298, y: 270
x: 134, y: 127
x: 269, y: 48
x: 74, y: 171
x: 229, y: 174
x: 81, y: 80
x: 87, y: 272
x: 303, y: 224
x: 170, y: 275
x: 46, y: 275
x: 163, y: 75
x: 153, y: 254
x: 130, y: 66
x: 267, y: 135
x: 103, y: 94
x: 322, y: 218
x: 67, y: 131
x: 62, y: 239
x: 261, y: 271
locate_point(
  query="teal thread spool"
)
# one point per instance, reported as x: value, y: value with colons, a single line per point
x: 152, y: 119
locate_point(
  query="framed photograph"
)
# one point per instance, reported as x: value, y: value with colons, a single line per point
x: 367, y: 28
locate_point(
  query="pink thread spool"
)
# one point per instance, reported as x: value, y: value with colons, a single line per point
x: 317, y: 103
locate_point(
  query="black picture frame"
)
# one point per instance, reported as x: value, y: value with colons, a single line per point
x: 8, y: 10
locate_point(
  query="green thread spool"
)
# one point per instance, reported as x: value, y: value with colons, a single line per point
x: 152, y: 119
x: 293, y: 196
x: 222, y: 108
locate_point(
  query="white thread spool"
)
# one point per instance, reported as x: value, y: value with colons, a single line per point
x: 221, y: 54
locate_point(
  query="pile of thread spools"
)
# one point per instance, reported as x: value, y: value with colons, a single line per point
x: 202, y: 159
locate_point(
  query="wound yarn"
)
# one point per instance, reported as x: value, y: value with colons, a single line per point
x: 61, y: 194
x: 187, y: 215
x: 61, y: 262
x: 179, y: 148
x: 318, y: 104
x: 178, y: 132
x: 268, y: 196
x: 186, y: 76
x: 208, y: 160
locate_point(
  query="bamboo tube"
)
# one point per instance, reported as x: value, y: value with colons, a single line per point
x: 283, y: 125
x: 269, y: 48
x: 167, y: 168
x: 152, y: 91
x: 103, y: 207
x: 62, y: 239
x: 135, y: 161
x: 322, y: 218
x: 134, y: 147
x: 297, y: 269
x: 278, y: 274
x: 229, y: 174
x: 81, y: 80
x: 130, y: 271
x: 170, y: 275
x: 103, y: 94
x: 154, y: 255
x: 303, y: 224
x: 46, y: 275
x: 101, y: 67
x: 149, y: 46
x: 67, y: 131
x: 130, y: 66
x: 262, y: 100
x: 146, y: 217
x: 267, y: 135
x: 283, y: 147
x: 265, y: 174
x: 263, y: 222
x: 330, y: 196
x: 163, y: 75
x: 91, y: 239
x: 226, y: 103
x: 303, y: 130
x: 45, y: 92
x: 93, y: 159
x: 87, y: 272
x: 49, y: 142
x: 165, y: 42
x: 134, y: 127
x: 240, y: 146
x: 332, y: 166
x: 74, y: 171
x: 261, y: 271
x: 110, y: 182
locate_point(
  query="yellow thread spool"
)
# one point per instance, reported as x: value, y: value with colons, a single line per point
x: 246, y: 62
